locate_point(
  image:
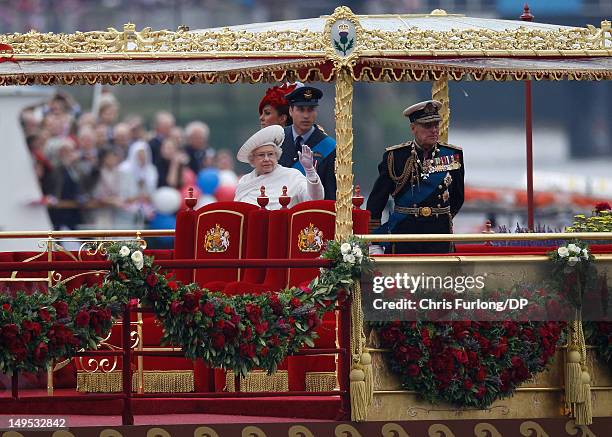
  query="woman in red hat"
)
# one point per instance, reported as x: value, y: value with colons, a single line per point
x: 274, y: 108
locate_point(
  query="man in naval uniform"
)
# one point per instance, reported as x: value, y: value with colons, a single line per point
x: 425, y: 178
x: 303, y: 103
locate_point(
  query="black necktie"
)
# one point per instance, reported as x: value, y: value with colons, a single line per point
x: 298, y: 143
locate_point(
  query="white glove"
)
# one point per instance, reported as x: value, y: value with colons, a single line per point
x: 306, y: 158
x: 375, y: 249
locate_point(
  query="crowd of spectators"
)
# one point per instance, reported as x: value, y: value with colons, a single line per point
x: 97, y: 171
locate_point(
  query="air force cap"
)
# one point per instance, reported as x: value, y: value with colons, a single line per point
x: 304, y: 96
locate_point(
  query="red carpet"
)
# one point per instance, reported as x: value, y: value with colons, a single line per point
x: 67, y: 402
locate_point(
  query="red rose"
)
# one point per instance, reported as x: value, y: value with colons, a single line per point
x: 175, y: 307
x: 6, y: 307
x: 481, y: 392
x: 460, y: 356
x: 247, y: 350
x: 472, y: 358
x: 261, y: 328
x: 17, y: 348
x: 122, y: 276
x: 32, y: 327
x: 172, y: 285
x: 61, y: 308
x: 295, y: 302
x: 467, y: 384
x: 516, y: 361
x: 190, y: 302
x: 275, y: 304
x: 152, y: 280
x: 264, y: 351
x: 41, y: 351
x: 227, y: 309
x: 208, y: 309
x: 274, y: 340
x: 218, y: 341
x: 219, y: 324
x: 425, y: 337
x: 313, y: 320
x: 44, y: 314
x: 253, y: 312
x: 481, y: 374
x: 305, y: 289
x: 413, y: 370
x: 9, y: 332
x: 230, y: 331
x: 82, y: 319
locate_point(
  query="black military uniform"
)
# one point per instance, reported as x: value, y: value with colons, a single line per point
x: 428, y: 192
x: 323, y: 146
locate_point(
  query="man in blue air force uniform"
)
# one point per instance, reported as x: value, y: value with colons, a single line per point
x: 425, y: 178
x: 303, y: 102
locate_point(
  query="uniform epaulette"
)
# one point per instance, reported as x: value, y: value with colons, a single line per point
x: 398, y: 146
x: 451, y: 146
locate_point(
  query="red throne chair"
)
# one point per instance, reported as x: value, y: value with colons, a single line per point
x: 310, y: 225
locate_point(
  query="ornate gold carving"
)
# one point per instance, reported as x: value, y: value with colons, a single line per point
x: 344, y: 154
x: 514, y: 41
x: 486, y: 430
x: 414, y: 411
x: 253, y: 431
x: 572, y: 429
x: 343, y: 54
x: 205, y: 431
x: 110, y: 433
x: 345, y: 429
x: 439, y: 430
x: 439, y: 91
x: 224, y: 42
x: 62, y: 433
x: 299, y: 431
x: 217, y: 43
x: 532, y: 429
x: 393, y: 430
x: 158, y: 432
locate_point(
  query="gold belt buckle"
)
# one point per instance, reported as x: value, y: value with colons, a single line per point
x: 425, y: 211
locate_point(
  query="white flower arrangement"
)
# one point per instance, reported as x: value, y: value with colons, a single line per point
x: 351, y: 253
x: 572, y: 255
x: 124, y: 251
x: 137, y: 259
x: 345, y: 248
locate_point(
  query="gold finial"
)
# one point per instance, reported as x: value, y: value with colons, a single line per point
x: 438, y: 12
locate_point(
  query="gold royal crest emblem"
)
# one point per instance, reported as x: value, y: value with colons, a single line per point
x: 310, y: 239
x: 217, y: 239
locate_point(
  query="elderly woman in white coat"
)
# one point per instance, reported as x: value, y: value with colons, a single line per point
x: 262, y: 151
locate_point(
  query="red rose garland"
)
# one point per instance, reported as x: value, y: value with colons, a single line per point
x: 468, y: 363
x: 39, y: 328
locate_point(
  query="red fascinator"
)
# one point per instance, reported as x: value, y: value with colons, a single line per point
x: 275, y: 96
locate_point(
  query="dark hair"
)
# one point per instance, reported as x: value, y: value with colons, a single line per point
x: 284, y: 110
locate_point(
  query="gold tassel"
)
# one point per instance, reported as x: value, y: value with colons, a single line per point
x: 584, y: 410
x: 573, y: 392
x: 366, y: 365
x: 358, y: 394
